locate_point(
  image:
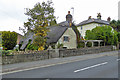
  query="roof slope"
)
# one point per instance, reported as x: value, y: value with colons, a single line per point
x: 93, y: 21
x: 55, y: 32
x: 26, y: 39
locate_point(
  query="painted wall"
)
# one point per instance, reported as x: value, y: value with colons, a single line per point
x: 84, y: 28
x: 72, y: 43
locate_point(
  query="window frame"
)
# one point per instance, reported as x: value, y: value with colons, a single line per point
x: 66, y: 39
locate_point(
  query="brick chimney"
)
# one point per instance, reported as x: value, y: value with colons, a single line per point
x: 99, y: 16
x: 108, y: 19
x: 69, y: 17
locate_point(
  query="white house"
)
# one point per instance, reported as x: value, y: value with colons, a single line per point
x: 62, y: 34
x: 90, y: 24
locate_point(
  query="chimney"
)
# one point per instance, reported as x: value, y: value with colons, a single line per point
x: 108, y: 19
x: 69, y: 17
x: 89, y: 17
x: 99, y: 16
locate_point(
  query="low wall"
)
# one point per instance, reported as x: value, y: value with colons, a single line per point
x: 83, y: 51
x: 42, y: 55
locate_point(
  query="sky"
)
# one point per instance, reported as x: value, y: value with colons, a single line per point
x: 12, y: 11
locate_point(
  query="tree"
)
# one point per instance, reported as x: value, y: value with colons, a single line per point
x: 118, y: 36
x: 105, y: 33
x: 115, y: 24
x: 40, y: 17
x: 9, y: 39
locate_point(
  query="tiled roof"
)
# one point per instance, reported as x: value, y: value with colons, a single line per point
x: 93, y: 21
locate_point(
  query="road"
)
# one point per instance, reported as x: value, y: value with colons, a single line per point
x: 102, y: 67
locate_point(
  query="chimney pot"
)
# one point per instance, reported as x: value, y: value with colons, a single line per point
x: 108, y: 19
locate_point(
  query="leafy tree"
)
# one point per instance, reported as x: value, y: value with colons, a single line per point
x: 88, y: 35
x: 115, y: 24
x: 9, y: 39
x: 40, y: 17
x: 105, y: 33
x: 118, y: 36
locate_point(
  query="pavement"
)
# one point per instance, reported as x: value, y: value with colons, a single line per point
x: 103, y: 65
x: 51, y: 62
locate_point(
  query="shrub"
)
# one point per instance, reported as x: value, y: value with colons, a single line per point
x: 89, y: 44
x: 81, y: 45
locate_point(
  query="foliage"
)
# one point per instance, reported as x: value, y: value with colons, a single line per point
x: 59, y: 45
x: 7, y: 52
x: 89, y: 44
x: 118, y: 36
x: 81, y: 45
x: 39, y: 41
x: 40, y: 17
x: 9, y: 39
x: 115, y: 24
x: 78, y: 35
x: 105, y: 33
x: 31, y: 46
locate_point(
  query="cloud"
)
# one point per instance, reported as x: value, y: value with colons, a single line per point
x: 12, y: 11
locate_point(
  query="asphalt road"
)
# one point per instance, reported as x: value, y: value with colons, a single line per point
x: 102, y: 67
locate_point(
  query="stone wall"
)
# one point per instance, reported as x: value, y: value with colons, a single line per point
x: 32, y: 56
x: 83, y: 51
x: 48, y: 54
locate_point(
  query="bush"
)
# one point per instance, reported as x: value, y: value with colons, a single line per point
x: 9, y: 40
x: 7, y: 52
x: 81, y: 45
x: 105, y: 33
x: 89, y: 44
x: 60, y: 45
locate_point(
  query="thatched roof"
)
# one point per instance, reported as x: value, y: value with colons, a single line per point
x: 54, y: 34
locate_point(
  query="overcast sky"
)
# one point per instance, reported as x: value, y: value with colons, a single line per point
x: 12, y: 11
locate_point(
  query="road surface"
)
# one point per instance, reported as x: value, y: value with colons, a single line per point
x: 102, y: 67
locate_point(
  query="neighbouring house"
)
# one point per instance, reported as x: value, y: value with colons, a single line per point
x: 90, y: 24
x: 64, y: 33
x: 19, y: 37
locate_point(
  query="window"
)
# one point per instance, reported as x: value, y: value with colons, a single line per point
x: 81, y: 27
x: 65, y: 38
x: 101, y: 25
